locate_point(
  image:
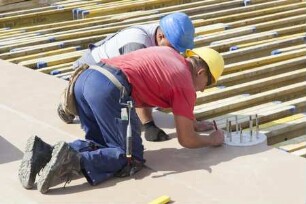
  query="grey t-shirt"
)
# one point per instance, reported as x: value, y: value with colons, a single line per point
x: 127, y: 40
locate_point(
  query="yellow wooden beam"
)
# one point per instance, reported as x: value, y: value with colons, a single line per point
x: 43, y: 54
x: 220, y: 107
x: 265, y: 70
x: 263, y: 61
x: 293, y: 147
x: 253, y: 86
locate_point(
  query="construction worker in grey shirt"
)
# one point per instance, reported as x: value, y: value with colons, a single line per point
x: 175, y: 30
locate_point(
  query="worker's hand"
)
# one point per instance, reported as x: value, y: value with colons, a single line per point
x: 201, y: 126
x: 153, y: 133
x: 217, y: 137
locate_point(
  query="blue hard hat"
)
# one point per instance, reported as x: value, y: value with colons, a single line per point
x: 179, y: 30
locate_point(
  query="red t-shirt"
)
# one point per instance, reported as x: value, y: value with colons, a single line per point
x: 160, y: 77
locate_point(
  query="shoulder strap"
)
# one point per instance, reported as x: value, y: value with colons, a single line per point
x: 111, y: 77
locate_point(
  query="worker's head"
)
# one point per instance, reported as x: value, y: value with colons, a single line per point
x: 207, y: 66
x: 176, y: 30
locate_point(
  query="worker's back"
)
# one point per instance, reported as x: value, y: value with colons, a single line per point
x: 160, y: 77
x: 129, y: 39
x: 122, y: 42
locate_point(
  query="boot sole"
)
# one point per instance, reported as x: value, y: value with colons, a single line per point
x: 25, y: 173
x: 67, y: 118
x: 58, y: 155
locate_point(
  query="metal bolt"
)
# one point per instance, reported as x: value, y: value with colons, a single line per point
x: 227, y: 129
x: 230, y: 130
x: 251, y: 127
x: 236, y: 120
x: 240, y: 133
x: 257, y: 126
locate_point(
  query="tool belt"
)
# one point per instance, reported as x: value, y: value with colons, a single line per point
x: 68, y: 98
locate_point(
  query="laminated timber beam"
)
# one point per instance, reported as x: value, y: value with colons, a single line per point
x: 43, y: 54
x: 266, y: 112
x: 49, y: 69
x: 131, y: 6
x: 254, y: 86
x: 254, y: 39
x: 284, y: 128
x: 49, y: 41
x: 36, y: 18
x: 214, y: 109
x: 55, y: 14
x: 52, y: 60
x: 249, y: 64
x: 247, y: 12
x: 262, y: 71
x: 209, y: 10
x: 259, y: 50
x: 295, y: 146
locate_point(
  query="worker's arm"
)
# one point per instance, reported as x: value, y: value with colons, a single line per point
x: 190, y: 139
x: 201, y: 126
x: 130, y: 47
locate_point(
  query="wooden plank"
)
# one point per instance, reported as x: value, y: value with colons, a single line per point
x: 263, y: 61
x: 46, y: 40
x: 4, y: 2
x: 266, y: 112
x: 209, y: 38
x: 245, y: 45
x: 224, y: 45
x: 256, y: 85
x: 191, y: 6
x: 204, y: 30
x: 300, y: 152
x: 291, y: 48
x: 284, y: 128
x: 276, y: 43
x: 235, y: 14
x: 53, y: 60
x: 296, y: 19
x: 33, y: 18
x: 49, y: 69
x: 293, y: 141
x: 265, y: 70
x: 270, y: 21
x: 201, y: 12
x: 202, y: 111
x: 293, y: 147
x: 24, y: 11
x: 282, y: 122
x: 43, y: 54
x: 146, y: 4
x: 61, y: 71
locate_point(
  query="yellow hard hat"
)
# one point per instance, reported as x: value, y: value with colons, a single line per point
x: 213, y: 59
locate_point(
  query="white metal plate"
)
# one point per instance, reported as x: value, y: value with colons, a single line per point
x: 245, y: 140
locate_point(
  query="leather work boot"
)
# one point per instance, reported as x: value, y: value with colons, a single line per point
x: 66, y: 117
x: 63, y: 167
x: 130, y: 169
x: 37, y: 154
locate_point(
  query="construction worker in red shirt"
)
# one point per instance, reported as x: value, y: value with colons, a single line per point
x: 152, y: 77
x: 175, y: 30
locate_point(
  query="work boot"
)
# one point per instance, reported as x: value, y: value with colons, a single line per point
x: 66, y: 117
x: 153, y: 133
x: 130, y: 169
x: 63, y: 167
x: 37, y: 154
